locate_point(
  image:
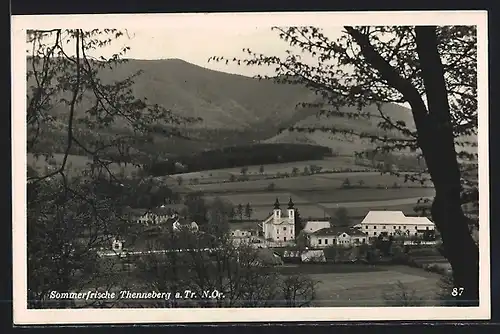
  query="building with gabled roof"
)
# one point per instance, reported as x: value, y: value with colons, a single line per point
x: 154, y: 216
x: 332, y: 236
x: 392, y: 223
x: 315, y: 225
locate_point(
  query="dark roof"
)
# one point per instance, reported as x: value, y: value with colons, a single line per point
x: 244, y: 226
x: 182, y: 221
x: 135, y: 212
x: 336, y: 231
x: 267, y: 256
x: 276, y: 204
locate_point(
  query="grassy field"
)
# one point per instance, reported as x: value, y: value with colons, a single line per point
x: 373, y: 179
x: 364, y: 195
x: 322, y: 203
x: 311, y: 182
x: 331, y: 163
x: 261, y: 198
x: 358, y: 212
x: 316, y: 196
x: 262, y: 204
x: 367, y: 288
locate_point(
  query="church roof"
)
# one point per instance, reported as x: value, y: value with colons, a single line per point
x: 277, y: 204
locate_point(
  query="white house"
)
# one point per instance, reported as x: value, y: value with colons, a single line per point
x: 180, y: 224
x: 279, y: 228
x: 243, y: 233
x: 313, y: 226
x: 150, y: 217
x: 341, y: 236
x: 117, y: 245
x: 393, y: 223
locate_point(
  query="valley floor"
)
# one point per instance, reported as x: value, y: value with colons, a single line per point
x: 367, y: 288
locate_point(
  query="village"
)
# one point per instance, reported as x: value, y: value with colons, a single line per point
x: 282, y: 230
x: 311, y: 184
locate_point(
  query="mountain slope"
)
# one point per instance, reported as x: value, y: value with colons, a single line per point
x: 236, y: 109
x: 222, y: 100
x: 341, y: 143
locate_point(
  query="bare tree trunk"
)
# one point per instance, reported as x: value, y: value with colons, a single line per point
x: 438, y: 147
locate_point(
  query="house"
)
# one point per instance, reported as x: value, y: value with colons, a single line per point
x: 117, y: 245
x: 148, y: 217
x: 155, y: 216
x: 267, y: 257
x: 278, y: 228
x: 180, y: 224
x: 313, y: 226
x: 394, y: 223
x: 243, y: 232
x: 342, y: 236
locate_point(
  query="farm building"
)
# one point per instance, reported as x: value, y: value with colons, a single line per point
x: 394, y: 223
x: 342, y: 236
x: 278, y: 228
x: 155, y: 216
x: 243, y: 232
x: 313, y: 226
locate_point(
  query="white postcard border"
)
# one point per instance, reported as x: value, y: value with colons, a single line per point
x: 24, y: 316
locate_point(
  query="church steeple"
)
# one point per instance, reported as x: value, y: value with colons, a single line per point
x: 290, y: 204
x: 276, y: 204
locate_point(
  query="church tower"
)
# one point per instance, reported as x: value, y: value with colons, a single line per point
x: 291, y: 211
x: 277, y: 210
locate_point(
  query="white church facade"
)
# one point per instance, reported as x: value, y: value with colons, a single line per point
x: 278, y: 227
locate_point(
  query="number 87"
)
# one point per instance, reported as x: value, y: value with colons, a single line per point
x: 457, y: 292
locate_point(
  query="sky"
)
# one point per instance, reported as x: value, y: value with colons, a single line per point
x: 196, y: 37
x: 196, y: 46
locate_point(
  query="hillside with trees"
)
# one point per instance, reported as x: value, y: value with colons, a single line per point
x: 221, y: 110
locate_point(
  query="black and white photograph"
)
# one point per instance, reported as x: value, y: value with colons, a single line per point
x: 247, y: 167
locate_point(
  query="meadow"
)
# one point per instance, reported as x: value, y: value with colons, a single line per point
x: 316, y: 196
x: 262, y: 198
x: 319, y: 195
x: 328, y: 163
x: 367, y: 289
x: 342, y: 196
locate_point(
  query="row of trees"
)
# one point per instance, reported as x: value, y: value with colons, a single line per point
x: 238, y: 156
x: 387, y: 161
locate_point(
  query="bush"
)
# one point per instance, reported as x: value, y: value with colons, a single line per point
x: 271, y: 187
x: 401, y: 295
x: 437, y: 269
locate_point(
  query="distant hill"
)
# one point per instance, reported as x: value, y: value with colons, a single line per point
x: 341, y: 143
x: 236, y: 109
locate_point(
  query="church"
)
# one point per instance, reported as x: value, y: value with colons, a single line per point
x: 280, y: 228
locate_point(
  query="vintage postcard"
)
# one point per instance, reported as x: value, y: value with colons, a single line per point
x: 250, y: 167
